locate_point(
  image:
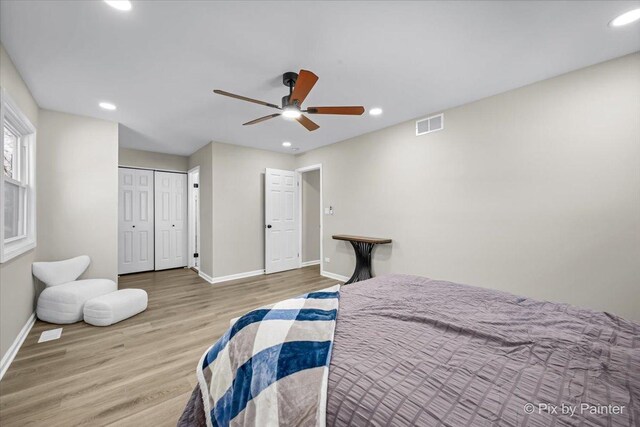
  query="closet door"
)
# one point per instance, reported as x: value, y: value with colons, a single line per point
x: 171, y: 220
x: 135, y: 221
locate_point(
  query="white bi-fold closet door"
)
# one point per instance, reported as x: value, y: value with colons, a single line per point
x: 135, y: 220
x: 152, y: 220
x: 170, y: 220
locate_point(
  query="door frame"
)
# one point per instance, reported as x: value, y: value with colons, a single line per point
x: 193, y: 217
x: 299, y: 172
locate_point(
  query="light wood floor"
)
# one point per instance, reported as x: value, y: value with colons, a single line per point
x: 139, y: 372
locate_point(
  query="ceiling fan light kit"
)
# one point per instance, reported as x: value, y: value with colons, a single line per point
x: 299, y: 84
x: 291, y: 113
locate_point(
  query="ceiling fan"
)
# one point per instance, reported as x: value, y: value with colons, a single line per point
x: 299, y: 84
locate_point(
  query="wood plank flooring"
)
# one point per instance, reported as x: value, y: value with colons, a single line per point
x: 139, y: 372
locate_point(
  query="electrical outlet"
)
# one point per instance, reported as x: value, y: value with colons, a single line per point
x: 327, y: 259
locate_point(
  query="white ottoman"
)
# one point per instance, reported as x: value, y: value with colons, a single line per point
x: 64, y: 303
x: 108, y: 309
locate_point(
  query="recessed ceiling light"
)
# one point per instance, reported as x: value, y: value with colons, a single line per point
x: 291, y: 113
x: 626, y: 18
x: 375, y: 111
x: 107, y: 106
x: 123, y: 5
x: 286, y: 144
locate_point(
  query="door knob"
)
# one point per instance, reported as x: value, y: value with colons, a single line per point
x: 133, y: 226
x: 269, y: 226
x: 173, y: 225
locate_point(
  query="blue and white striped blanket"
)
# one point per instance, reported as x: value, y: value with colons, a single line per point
x: 271, y: 366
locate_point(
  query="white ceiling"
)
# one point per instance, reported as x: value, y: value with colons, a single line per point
x: 160, y: 62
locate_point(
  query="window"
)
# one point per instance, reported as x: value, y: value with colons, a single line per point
x: 17, y: 184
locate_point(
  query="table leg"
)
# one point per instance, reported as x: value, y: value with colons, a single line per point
x: 363, y: 261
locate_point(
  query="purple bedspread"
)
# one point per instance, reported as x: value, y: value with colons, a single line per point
x: 414, y: 351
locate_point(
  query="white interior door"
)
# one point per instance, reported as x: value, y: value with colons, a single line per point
x: 135, y: 220
x: 171, y: 220
x: 281, y: 221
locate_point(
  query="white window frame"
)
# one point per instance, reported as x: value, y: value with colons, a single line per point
x: 18, y: 121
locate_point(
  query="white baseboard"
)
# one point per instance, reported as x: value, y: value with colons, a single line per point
x: 238, y: 276
x: 8, y: 357
x: 246, y: 274
x: 220, y: 279
x: 205, y: 276
x: 308, y: 263
x: 334, y: 276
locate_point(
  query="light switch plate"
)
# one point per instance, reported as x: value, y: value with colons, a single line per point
x: 50, y: 335
x: 327, y: 259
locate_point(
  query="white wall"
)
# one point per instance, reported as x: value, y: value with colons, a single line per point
x: 534, y: 191
x: 17, y: 291
x: 310, y: 193
x: 78, y: 191
x: 152, y: 160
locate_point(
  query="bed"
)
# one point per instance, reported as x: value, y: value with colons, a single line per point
x: 409, y: 351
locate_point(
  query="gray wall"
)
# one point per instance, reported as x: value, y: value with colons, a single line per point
x: 151, y: 160
x: 533, y: 191
x: 238, y: 206
x: 204, y: 158
x: 76, y: 181
x: 310, y: 216
x: 78, y: 191
x: 17, y: 292
x: 232, y: 206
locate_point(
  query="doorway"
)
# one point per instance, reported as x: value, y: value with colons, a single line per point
x: 293, y: 229
x: 194, y: 218
x: 310, y: 218
x: 282, y: 221
x: 311, y: 212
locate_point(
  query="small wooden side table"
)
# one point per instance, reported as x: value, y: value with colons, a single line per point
x: 362, y: 246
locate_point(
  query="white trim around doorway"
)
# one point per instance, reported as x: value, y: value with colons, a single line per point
x: 193, y: 218
x: 299, y: 172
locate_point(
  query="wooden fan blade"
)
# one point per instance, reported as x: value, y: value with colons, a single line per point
x: 244, y: 98
x: 307, y: 122
x: 305, y: 82
x: 261, y: 119
x: 352, y: 111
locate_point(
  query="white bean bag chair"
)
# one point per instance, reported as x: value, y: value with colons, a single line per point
x: 112, y: 308
x: 63, y: 299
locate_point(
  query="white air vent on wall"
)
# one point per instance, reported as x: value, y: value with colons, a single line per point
x: 430, y: 124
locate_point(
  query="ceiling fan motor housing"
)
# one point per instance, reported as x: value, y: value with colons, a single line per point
x: 289, y: 78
